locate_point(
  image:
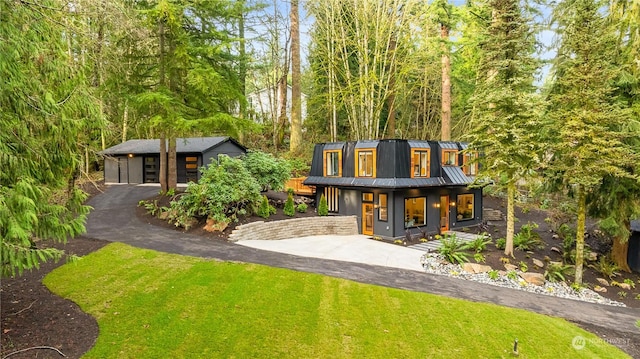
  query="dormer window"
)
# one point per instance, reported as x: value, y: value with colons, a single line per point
x: 449, y: 157
x: 332, y: 163
x: 365, y: 162
x: 420, y: 162
x: 469, y: 164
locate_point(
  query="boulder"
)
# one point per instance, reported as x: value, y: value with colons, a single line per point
x: 538, y: 263
x: 533, y: 278
x: 510, y: 267
x: 603, y: 281
x: 475, y: 268
x: 624, y: 286
x: 600, y: 289
x: 213, y: 226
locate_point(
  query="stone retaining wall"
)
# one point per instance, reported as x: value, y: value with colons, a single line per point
x: 296, y: 227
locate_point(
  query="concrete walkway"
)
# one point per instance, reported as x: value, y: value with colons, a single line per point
x: 114, y: 219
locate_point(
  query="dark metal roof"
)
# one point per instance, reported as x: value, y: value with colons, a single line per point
x: 418, y: 144
x: 367, y: 144
x: 464, y: 145
x: 374, y: 182
x: 454, y: 175
x: 448, y: 145
x: 635, y: 226
x: 183, y: 145
x: 334, y: 146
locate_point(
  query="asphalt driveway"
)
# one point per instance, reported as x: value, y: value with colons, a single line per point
x: 114, y: 219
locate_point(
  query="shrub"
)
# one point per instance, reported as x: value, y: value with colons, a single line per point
x: 523, y: 266
x: 479, y: 257
x: 606, y: 267
x: 270, y: 172
x: 302, y: 208
x: 527, y: 239
x: 493, y: 274
x: 263, y: 210
x: 453, y: 249
x: 557, y: 272
x: 289, y: 207
x: 225, y: 191
x: 323, y: 207
x: 479, y: 244
x: 501, y: 243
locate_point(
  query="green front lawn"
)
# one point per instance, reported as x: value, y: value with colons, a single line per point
x: 155, y: 305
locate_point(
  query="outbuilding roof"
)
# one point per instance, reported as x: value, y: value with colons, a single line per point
x: 183, y: 145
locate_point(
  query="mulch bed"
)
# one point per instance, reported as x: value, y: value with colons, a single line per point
x: 31, y: 316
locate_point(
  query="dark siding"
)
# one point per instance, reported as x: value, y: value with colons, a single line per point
x: 633, y: 256
x: 228, y: 148
x: 316, y: 161
x: 135, y: 167
x: 436, y: 159
x: 385, y: 159
x: 383, y: 228
x: 348, y: 160
x: 403, y: 160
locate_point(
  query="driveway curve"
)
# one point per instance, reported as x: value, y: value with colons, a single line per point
x: 114, y: 219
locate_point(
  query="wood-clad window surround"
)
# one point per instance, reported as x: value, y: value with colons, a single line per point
x: 332, y: 194
x: 365, y: 163
x: 382, y: 207
x: 469, y: 166
x: 332, y: 160
x: 449, y: 157
x: 420, y: 163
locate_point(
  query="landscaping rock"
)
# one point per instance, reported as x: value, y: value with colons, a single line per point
x: 510, y: 267
x: 475, y: 268
x: 490, y: 214
x: 555, y: 236
x: 600, y: 289
x: 538, y: 263
x: 593, y: 256
x: 624, y: 286
x: 213, y: 226
x: 603, y: 281
x: 556, y: 249
x: 533, y: 278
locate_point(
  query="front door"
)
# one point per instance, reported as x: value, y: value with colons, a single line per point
x: 367, y: 218
x: 444, y: 213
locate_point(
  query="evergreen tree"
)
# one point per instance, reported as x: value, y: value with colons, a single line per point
x: 505, y: 112
x: 590, y: 132
x: 323, y: 207
x: 289, y: 207
x: 44, y: 104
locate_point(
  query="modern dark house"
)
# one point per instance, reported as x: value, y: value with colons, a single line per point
x: 138, y: 161
x: 395, y: 186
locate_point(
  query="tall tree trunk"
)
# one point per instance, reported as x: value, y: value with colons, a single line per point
x: 172, y: 175
x: 125, y: 121
x: 242, y: 66
x: 511, y: 218
x: 620, y: 250
x: 296, y: 95
x: 446, y: 85
x: 283, y: 120
x: 163, y: 164
x: 580, y: 227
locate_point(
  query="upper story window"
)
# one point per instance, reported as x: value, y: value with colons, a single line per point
x: 332, y: 163
x: 420, y: 162
x: 449, y: 157
x: 365, y: 163
x: 469, y: 166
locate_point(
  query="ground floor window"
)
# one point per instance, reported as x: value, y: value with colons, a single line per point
x: 415, y: 212
x: 382, y: 207
x: 465, y: 206
x: 332, y: 194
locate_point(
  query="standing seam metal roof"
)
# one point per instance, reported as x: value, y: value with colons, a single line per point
x: 183, y: 145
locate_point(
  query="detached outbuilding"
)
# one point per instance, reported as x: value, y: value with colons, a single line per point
x: 138, y: 161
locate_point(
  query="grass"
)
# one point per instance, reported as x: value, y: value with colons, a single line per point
x: 151, y: 305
